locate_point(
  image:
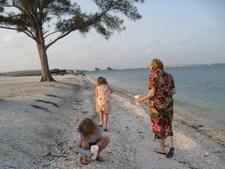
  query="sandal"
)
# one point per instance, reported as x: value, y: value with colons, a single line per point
x: 170, y: 153
x: 100, y: 159
x: 106, y: 130
x: 159, y: 152
x: 83, y: 161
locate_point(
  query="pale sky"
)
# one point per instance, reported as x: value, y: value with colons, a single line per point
x: 175, y: 31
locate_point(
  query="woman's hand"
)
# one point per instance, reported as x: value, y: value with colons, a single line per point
x: 150, y: 94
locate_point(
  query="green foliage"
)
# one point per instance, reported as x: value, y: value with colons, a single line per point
x: 39, y: 107
x: 51, y: 95
x: 11, y: 96
x: 32, y: 16
x: 22, y: 75
x: 47, y: 102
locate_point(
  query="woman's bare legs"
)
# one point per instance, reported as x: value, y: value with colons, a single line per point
x: 162, y: 145
x: 171, y: 148
x: 161, y: 148
x: 170, y: 141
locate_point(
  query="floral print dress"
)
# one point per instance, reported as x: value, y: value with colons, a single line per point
x: 161, y: 105
x: 103, y: 102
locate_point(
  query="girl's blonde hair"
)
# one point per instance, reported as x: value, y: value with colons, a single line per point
x: 156, y: 64
x: 87, y: 128
x: 101, y: 80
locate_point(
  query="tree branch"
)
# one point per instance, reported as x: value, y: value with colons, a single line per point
x: 15, y: 29
x: 51, y: 33
x: 102, y: 13
x: 91, y: 23
x: 60, y: 37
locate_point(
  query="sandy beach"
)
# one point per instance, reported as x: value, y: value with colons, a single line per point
x: 38, y: 123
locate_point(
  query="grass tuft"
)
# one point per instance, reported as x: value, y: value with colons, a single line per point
x: 11, y: 96
x: 39, y: 74
x: 51, y: 95
x: 47, y: 102
x: 39, y: 107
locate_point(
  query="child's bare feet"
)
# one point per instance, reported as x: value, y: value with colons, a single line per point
x: 100, y: 159
x: 83, y: 160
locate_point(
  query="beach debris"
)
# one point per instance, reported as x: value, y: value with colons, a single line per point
x: 206, y: 154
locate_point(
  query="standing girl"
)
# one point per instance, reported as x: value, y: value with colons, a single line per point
x: 90, y: 134
x: 103, y: 103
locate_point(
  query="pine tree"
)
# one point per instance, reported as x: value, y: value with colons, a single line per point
x: 36, y: 18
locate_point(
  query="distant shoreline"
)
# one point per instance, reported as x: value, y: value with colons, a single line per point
x: 22, y: 73
x: 38, y: 72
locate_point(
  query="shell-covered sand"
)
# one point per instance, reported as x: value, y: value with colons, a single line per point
x: 38, y: 123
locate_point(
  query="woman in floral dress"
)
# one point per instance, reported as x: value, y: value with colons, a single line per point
x: 103, y: 103
x: 161, y: 90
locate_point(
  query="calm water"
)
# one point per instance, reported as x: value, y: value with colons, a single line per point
x: 202, y: 87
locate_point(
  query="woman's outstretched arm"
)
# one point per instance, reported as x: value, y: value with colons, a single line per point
x: 150, y: 94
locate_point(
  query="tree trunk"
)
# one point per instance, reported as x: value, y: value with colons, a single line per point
x: 46, y: 74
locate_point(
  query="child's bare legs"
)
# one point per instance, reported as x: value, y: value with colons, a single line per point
x: 84, y: 158
x: 102, y: 143
x: 106, y: 117
x: 100, y: 117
